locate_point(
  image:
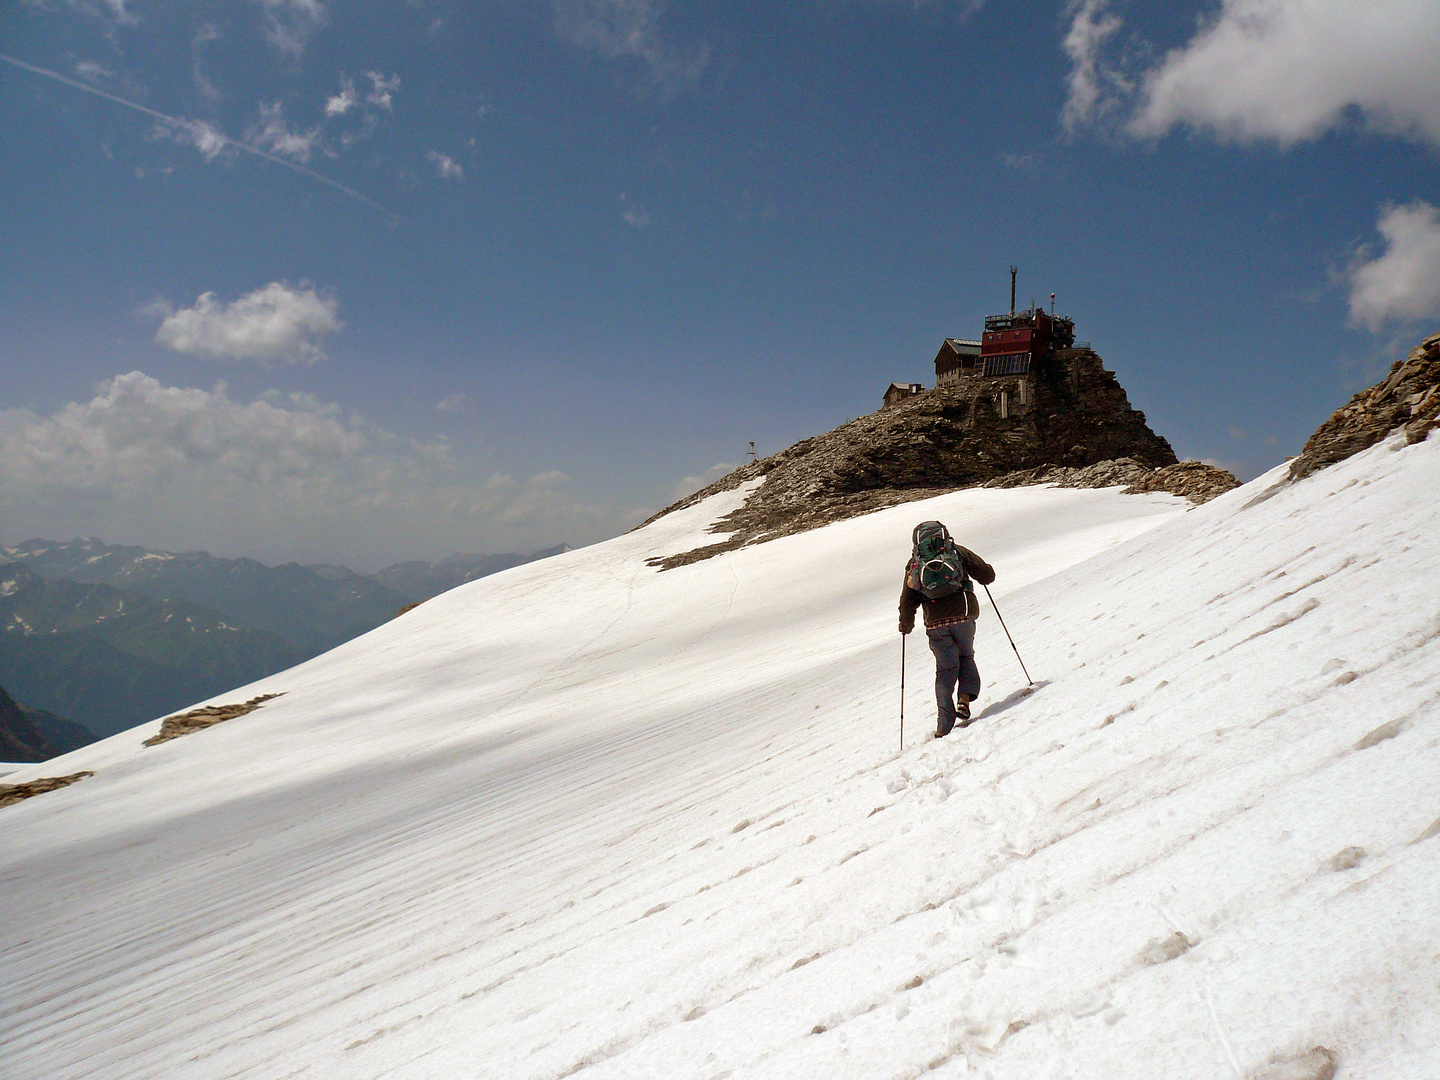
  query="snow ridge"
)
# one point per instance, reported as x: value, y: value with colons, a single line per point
x: 657, y: 825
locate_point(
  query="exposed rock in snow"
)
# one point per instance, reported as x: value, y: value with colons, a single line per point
x: 951, y: 437
x: 197, y: 719
x: 758, y: 521
x: 1408, y: 397
x: 14, y: 793
x: 1192, y: 480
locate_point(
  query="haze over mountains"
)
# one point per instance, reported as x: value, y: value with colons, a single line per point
x: 108, y: 635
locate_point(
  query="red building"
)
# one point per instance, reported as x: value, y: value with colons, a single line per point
x: 1012, y: 342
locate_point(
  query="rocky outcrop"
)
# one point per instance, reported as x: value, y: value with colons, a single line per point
x: 197, y: 719
x: 1409, y: 398
x: 1193, y: 480
x: 13, y: 793
x: 1071, y: 416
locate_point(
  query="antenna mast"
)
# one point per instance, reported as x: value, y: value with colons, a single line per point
x: 1012, y: 291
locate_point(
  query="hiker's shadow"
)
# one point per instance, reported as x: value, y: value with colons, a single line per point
x: 1010, y: 702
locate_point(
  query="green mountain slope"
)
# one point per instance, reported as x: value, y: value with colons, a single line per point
x: 36, y: 734
x: 20, y: 739
x: 109, y: 658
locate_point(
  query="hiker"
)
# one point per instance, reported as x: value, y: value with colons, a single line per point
x: 938, y: 577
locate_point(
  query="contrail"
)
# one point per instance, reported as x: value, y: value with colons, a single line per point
x: 224, y: 139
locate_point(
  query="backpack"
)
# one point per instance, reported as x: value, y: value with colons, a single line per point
x: 936, y: 568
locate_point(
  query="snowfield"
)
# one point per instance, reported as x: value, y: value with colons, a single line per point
x: 586, y: 818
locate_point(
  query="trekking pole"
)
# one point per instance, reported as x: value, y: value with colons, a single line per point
x: 902, y: 693
x: 1007, y: 634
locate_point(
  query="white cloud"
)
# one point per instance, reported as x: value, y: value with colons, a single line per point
x: 137, y: 432
x: 201, y: 134
x: 633, y: 214
x: 270, y: 133
x: 1404, y: 281
x: 119, y: 13
x: 629, y: 29
x: 371, y: 105
x: 446, y: 167
x: 92, y: 72
x: 205, y: 137
x: 96, y: 78
x: 1280, y: 70
x: 181, y: 467
x: 1091, y: 82
x: 109, y: 10
x: 455, y: 403
x: 692, y: 484
x: 204, y: 36
x: 276, y: 323
x: 344, y: 101
x: 382, y: 90
x: 289, y: 24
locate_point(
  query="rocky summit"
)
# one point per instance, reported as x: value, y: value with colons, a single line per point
x: 1066, y: 421
x: 1408, y: 397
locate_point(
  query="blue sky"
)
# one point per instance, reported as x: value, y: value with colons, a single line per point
x: 322, y: 280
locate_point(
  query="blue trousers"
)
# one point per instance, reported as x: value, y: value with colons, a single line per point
x: 955, y: 670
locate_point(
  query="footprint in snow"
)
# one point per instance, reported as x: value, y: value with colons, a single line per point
x: 1163, y: 950
x: 1344, y: 859
x: 1092, y: 1003
x: 1318, y: 1064
x: 1382, y: 733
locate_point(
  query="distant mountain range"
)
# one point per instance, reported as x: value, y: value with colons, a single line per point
x: 312, y: 612
x: 110, y: 636
x: 422, y: 580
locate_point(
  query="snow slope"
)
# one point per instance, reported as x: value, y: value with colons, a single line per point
x: 587, y: 818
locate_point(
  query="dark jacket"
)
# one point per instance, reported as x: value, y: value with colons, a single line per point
x: 948, y: 610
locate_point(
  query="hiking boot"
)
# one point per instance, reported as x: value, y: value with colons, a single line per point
x: 943, y: 727
x: 962, y: 714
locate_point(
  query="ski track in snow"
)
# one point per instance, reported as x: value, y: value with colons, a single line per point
x: 584, y: 818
